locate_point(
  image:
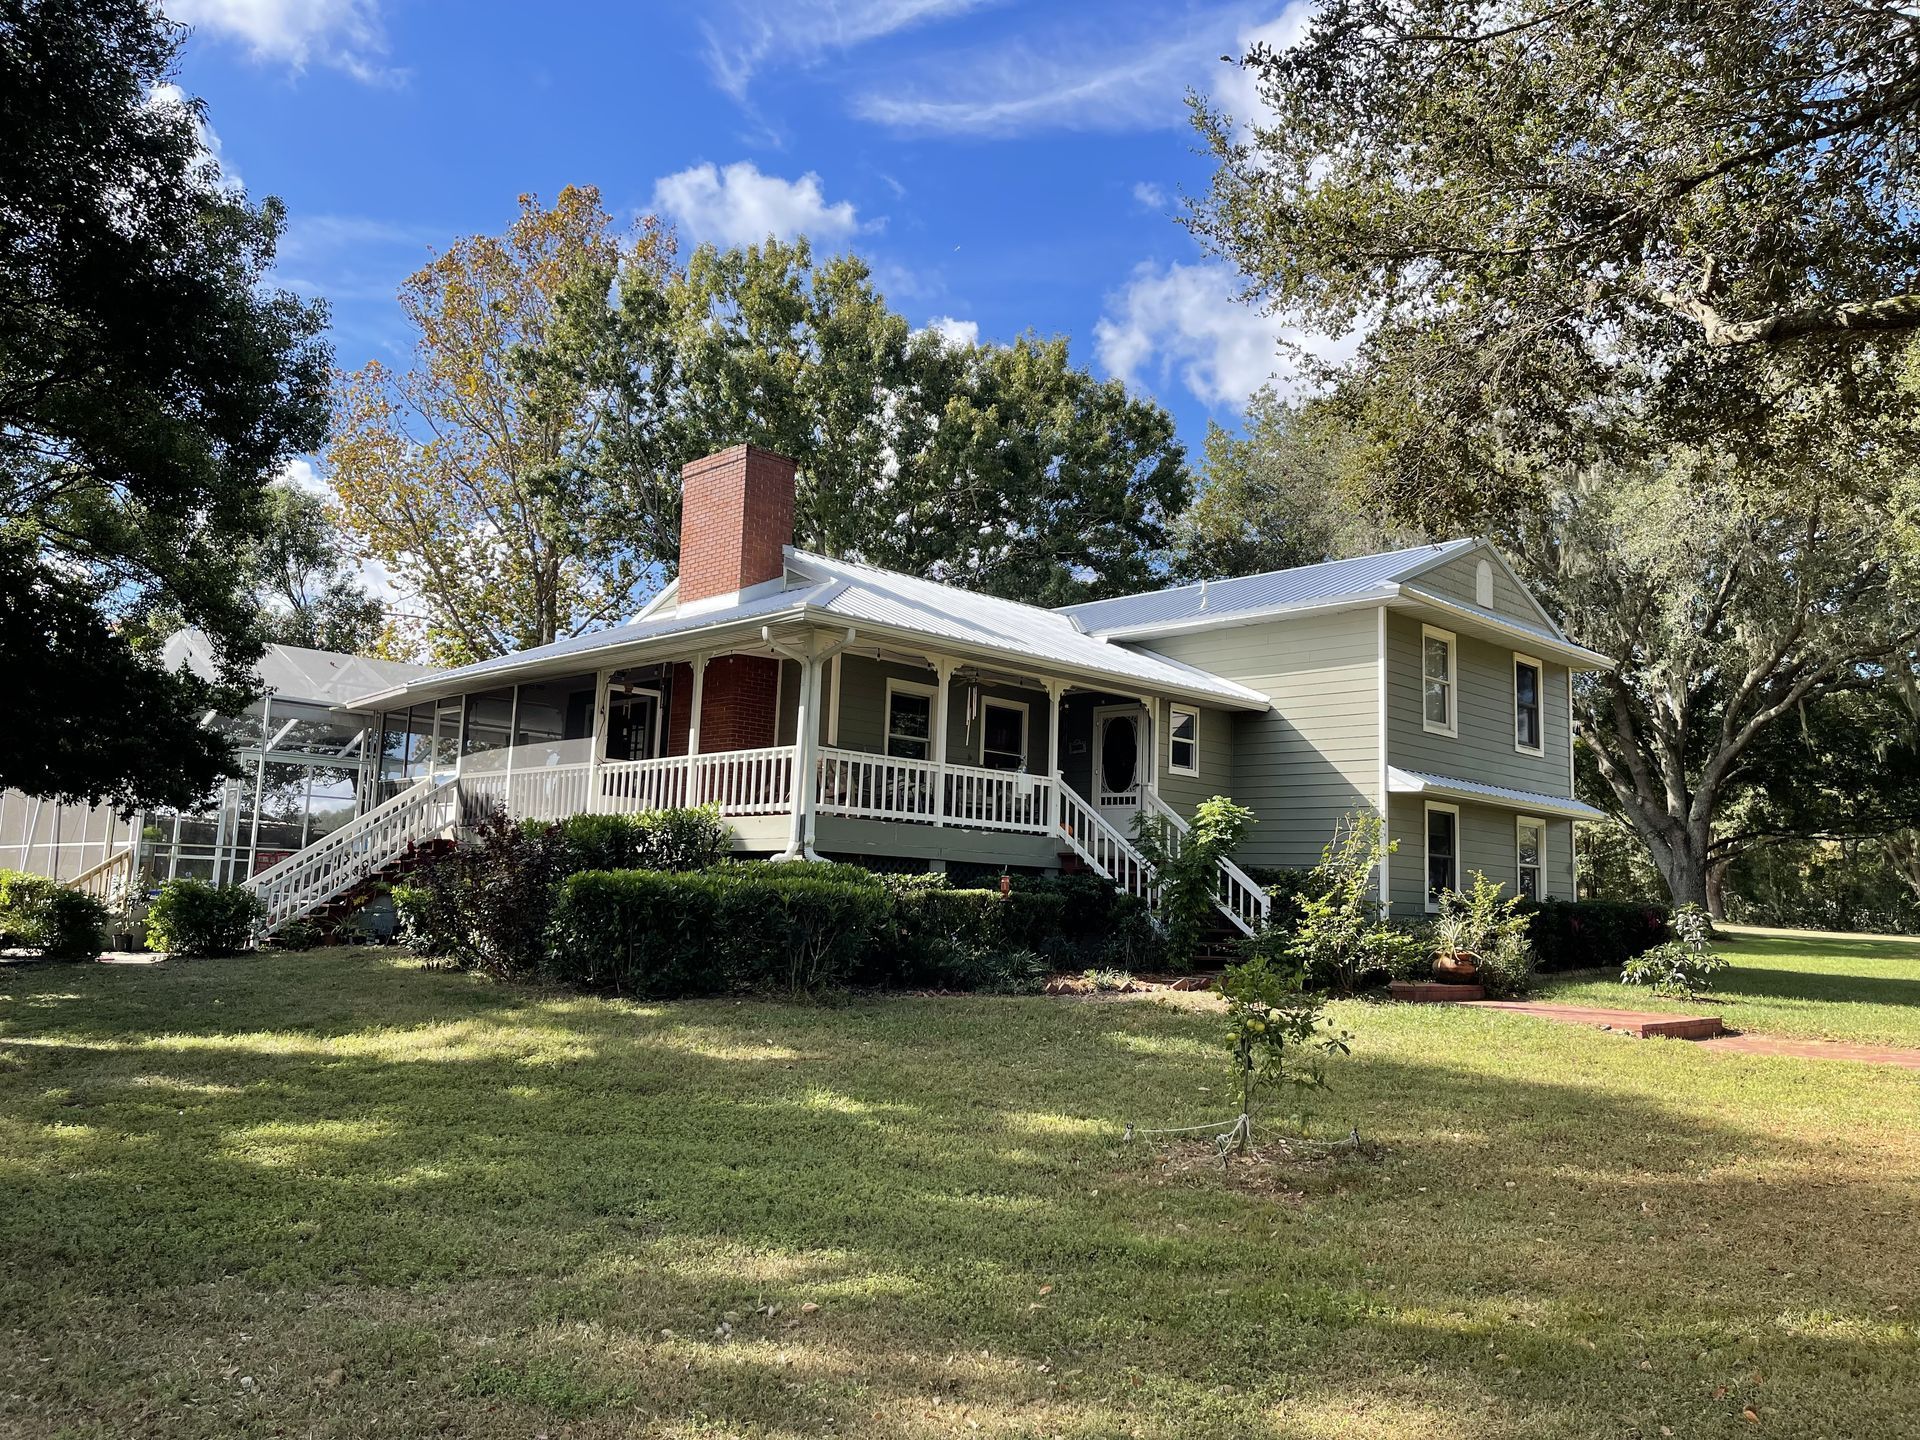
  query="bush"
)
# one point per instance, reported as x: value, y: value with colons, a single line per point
x: 1342, y: 941
x: 674, y: 840
x: 1594, y: 934
x: 1287, y: 886
x: 1683, y: 966
x: 485, y: 904
x: 662, y: 935
x: 1187, y: 868
x: 968, y: 939
x: 1101, y: 927
x: 296, y: 935
x: 1494, y: 931
x: 44, y: 915
x: 191, y: 917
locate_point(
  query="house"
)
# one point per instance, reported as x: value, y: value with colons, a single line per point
x: 830, y: 708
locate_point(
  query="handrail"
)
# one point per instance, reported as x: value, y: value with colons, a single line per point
x: 1104, y: 849
x: 891, y: 787
x: 1238, y: 896
x: 110, y: 881
x: 309, y: 878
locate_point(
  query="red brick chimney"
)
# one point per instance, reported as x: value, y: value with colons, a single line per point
x: 736, y: 514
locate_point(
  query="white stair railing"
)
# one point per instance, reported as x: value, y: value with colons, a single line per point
x: 1237, y: 895
x: 1104, y: 849
x: 110, y: 882
x: 331, y: 866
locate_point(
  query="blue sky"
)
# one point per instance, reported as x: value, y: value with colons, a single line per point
x: 1003, y: 166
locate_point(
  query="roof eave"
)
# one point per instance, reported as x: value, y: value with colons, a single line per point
x: 1366, y: 600
x: 1576, y: 657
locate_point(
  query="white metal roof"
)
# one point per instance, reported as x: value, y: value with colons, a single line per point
x: 1363, y: 577
x: 1529, y: 802
x: 294, y: 672
x: 840, y: 592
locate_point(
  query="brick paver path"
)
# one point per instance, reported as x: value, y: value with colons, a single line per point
x: 1643, y: 1023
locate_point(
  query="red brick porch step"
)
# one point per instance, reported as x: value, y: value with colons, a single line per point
x: 1433, y: 992
x: 1645, y: 1025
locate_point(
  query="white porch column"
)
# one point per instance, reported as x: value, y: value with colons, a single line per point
x: 1055, y: 690
x: 597, y: 748
x: 806, y: 737
x: 943, y: 670
x: 699, y: 665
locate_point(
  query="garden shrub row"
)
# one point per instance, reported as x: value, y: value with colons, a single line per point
x: 192, y: 917
x: 1594, y: 934
x: 41, y: 914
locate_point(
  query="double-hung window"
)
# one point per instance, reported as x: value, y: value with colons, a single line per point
x: 1183, y: 741
x: 1443, y: 852
x: 1527, y: 733
x: 909, y: 720
x: 1438, y: 687
x: 1529, y: 847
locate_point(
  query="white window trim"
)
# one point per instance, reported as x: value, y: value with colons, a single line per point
x: 1520, y: 824
x: 1452, y: 727
x: 1174, y: 713
x: 1426, y: 841
x: 1539, y: 700
x: 907, y: 687
x: 988, y: 702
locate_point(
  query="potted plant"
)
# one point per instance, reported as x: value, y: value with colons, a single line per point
x: 1456, y: 957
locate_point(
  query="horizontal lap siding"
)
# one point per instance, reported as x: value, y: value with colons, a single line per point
x: 1489, y: 843
x: 1183, y: 792
x: 1313, y: 758
x: 863, y: 711
x: 1484, y: 749
x: 1458, y: 580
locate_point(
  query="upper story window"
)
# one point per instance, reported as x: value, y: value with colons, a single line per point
x: 909, y: 720
x: 1527, y: 685
x: 1183, y: 741
x: 1437, y: 683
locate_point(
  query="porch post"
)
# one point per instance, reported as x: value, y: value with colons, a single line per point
x: 1054, y: 690
x: 602, y: 681
x: 943, y: 669
x: 699, y: 667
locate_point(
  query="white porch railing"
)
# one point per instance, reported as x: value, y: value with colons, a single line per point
x: 110, y: 882
x: 886, y: 787
x: 1237, y: 894
x: 738, y: 782
x: 334, y: 864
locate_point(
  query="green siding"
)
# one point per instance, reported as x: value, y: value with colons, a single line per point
x: 1316, y: 755
x: 863, y: 710
x: 1484, y: 748
x: 1183, y: 792
x: 1458, y: 580
x: 1489, y: 843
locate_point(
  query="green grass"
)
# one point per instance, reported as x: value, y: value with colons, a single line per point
x: 1828, y: 989
x: 406, y: 1202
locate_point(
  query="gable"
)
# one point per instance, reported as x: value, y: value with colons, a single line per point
x: 1457, y: 578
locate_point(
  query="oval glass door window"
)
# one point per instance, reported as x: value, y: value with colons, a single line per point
x: 1119, y: 755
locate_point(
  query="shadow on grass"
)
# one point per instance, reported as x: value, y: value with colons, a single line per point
x: 578, y: 1207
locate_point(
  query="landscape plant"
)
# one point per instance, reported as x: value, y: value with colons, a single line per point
x: 1343, y: 939
x: 1684, y: 966
x: 1278, y: 1033
x: 1481, y: 923
x: 193, y: 917
x: 1186, y: 868
x: 42, y: 914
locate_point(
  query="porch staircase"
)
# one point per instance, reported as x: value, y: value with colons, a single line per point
x: 331, y: 868
x: 1098, y: 845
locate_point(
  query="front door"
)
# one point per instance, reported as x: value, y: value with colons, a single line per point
x: 633, y: 724
x: 1118, y: 752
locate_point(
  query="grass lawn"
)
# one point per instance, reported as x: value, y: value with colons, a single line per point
x: 1827, y: 988
x: 337, y: 1194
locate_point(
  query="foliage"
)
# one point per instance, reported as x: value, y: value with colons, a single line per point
x: 1342, y: 940
x: 1187, y: 868
x: 485, y: 904
x: 1491, y: 929
x: 1554, y: 220
x: 305, y: 580
x: 58, y: 921
x: 658, y: 935
x: 152, y: 382
x: 1100, y: 925
x: 468, y: 475
x: 1107, y: 980
x: 1685, y: 965
x: 946, y: 939
x: 1263, y: 495
x: 300, y: 934
x: 191, y: 917
x: 1278, y: 1031
x: 686, y: 839
x: 1593, y: 934
x: 1862, y: 885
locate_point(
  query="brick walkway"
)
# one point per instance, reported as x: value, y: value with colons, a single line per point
x: 1642, y: 1023
x: 1902, y: 1056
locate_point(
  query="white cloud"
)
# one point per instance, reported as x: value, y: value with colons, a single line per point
x: 1237, y: 94
x: 738, y: 205
x: 346, y: 34
x: 799, y: 32
x: 219, y: 170
x: 1149, y: 196
x: 1185, y: 322
x: 955, y: 332
x: 299, y: 474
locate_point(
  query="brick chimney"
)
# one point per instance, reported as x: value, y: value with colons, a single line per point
x: 736, y: 515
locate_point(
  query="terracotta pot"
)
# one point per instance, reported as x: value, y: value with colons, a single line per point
x: 1456, y: 965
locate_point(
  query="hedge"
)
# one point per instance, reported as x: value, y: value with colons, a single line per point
x: 1594, y: 934
x: 44, y: 915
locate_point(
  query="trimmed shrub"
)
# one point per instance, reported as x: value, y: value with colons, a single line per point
x: 296, y: 935
x: 1594, y: 934
x: 673, y: 840
x: 485, y: 905
x: 662, y: 935
x: 43, y: 914
x: 191, y: 917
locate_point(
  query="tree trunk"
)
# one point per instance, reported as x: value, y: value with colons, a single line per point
x: 1681, y: 858
x: 1716, y: 890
